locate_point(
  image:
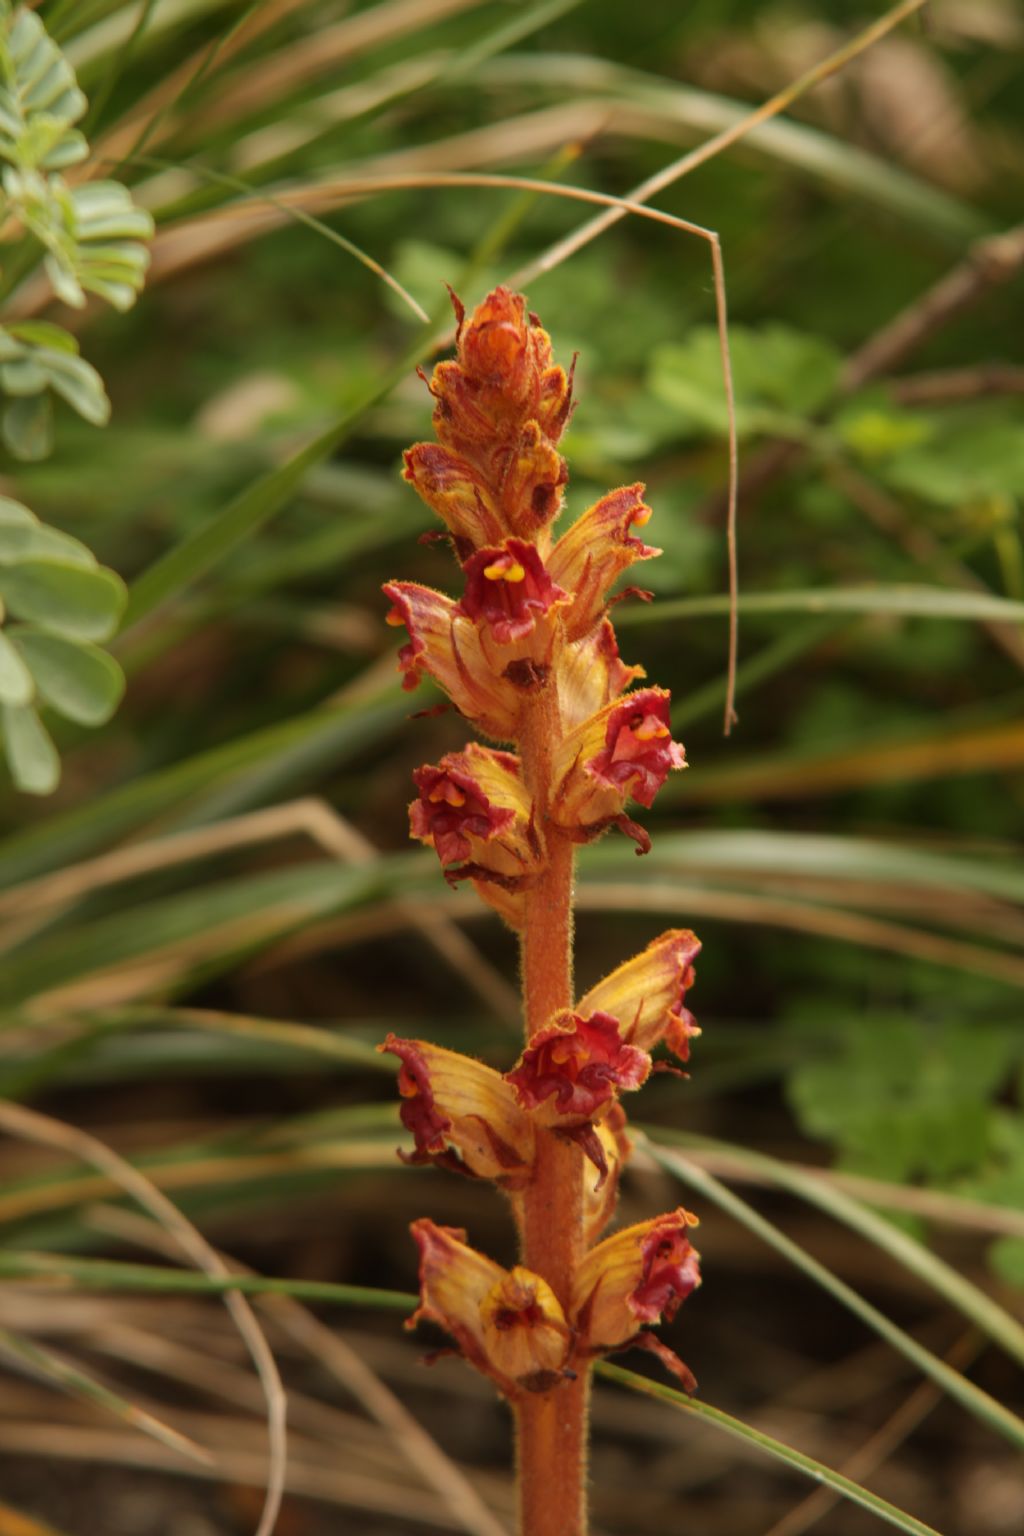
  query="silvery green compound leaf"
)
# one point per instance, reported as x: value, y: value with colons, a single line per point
x: 39, y: 96
x: 55, y: 598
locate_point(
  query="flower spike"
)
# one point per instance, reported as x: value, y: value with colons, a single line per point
x: 528, y: 656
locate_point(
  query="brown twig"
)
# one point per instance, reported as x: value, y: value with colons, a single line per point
x: 988, y: 262
x: 951, y: 386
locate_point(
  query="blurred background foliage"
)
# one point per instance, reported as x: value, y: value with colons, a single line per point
x: 231, y: 848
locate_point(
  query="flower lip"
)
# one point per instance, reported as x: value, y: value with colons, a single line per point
x: 670, y: 1269
x: 508, y: 589
x: 452, y: 809
x: 573, y: 1069
x: 639, y: 751
x: 412, y: 657
x: 419, y: 1111
x: 637, y: 1276
x: 595, y: 551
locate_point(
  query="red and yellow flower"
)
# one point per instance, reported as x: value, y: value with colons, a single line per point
x: 507, y: 1323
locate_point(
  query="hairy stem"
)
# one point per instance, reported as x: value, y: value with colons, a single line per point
x: 552, y: 1426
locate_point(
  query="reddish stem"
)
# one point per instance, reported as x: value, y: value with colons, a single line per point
x: 552, y: 1426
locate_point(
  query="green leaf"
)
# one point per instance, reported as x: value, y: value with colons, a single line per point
x: 39, y: 97
x: 780, y: 375
x: 78, y: 383
x: 68, y: 599
x: 815, y: 1470
x: 966, y: 461
x: 43, y: 333
x: 78, y: 681
x: 901, y: 1098
x: 15, y: 679
x: 31, y: 755
x: 28, y: 427
x: 24, y: 537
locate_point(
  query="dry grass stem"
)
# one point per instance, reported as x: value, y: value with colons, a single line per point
x: 43, y: 1129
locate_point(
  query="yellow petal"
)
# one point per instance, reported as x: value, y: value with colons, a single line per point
x: 646, y: 993
x: 460, y: 1111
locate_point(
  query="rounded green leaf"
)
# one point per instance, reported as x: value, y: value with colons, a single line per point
x: 42, y: 333
x: 24, y: 537
x: 28, y: 426
x: 84, y: 603
x: 78, y: 681
x: 80, y: 385
x: 31, y: 755
x: 16, y: 685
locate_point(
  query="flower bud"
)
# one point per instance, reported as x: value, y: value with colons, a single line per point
x: 532, y: 475
x: 461, y: 1114
x: 507, y: 1323
x: 646, y: 994
x: 458, y: 493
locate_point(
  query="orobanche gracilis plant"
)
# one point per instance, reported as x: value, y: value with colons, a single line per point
x: 529, y: 656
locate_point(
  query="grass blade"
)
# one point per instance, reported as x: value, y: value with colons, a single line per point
x: 69, y: 1378
x: 961, y: 1293
x: 978, y: 1403
x: 806, y: 1465
x: 108, y: 1275
x: 911, y: 601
